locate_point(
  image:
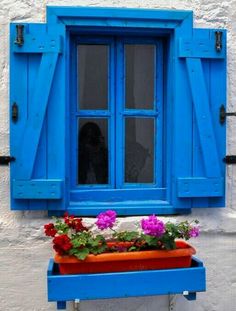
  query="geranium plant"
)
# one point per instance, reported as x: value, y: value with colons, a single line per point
x: 72, y: 237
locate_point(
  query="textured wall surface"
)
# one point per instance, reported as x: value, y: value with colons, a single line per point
x: 24, y: 252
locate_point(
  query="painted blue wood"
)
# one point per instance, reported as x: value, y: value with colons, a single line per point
x: 116, y: 13
x: 36, y: 44
x: 19, y: 95
x: 25, y: 70
x: 117, y: 285
x: 191, y: 296
x: 215, y: 79
x: 58, y: 114
x: 184, y: 152
x: 179, y: 118
x: 37, y: 189
x: 203, y: 117
x: 200, y: 187
x: 112, y: 195
x: 202, y: 48
x: 119, y: 125
x: 61, y: 305
x: 103, y: 31
x: 30, y: 140
x: 124, y: 208
x: 40, y: 167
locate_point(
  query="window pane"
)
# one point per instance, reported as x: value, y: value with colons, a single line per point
x: 93, y: 76
x: 139, y: 71
x: 93, y: 151
x: 139, y: 150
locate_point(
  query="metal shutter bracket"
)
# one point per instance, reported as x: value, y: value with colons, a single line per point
x: 5, y: 160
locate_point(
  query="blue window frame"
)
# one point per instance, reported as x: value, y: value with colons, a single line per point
x: 188, y: 170
x: 117, y: 117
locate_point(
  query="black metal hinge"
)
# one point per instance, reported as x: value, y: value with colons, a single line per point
x: 224, y: 114
x: 230, y: 159
x: 218, y: 40
x: 19, y: 35
x: 14, y: 112
x: 5, y: 160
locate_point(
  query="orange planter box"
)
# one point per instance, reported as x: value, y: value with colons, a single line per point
x: 128, y: 261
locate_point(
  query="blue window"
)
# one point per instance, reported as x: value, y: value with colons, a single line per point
x: 118, y: 108
x: 117, y: 119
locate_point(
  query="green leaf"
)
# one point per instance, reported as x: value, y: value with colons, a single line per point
x: 98, y: 250
x: 150, y: 240
x: 81, y: 253
x: 133, y: 249
x: 126, y: 236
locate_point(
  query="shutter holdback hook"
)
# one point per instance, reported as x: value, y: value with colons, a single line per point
x: 224, y: 114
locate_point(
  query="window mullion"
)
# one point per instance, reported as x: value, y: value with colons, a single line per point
x: 119, y: 163
x: 112, y: 117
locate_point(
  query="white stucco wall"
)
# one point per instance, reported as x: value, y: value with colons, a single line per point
x: 24, y: 252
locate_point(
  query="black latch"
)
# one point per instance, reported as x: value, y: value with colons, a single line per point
x: 218, y: 40
x: 224, y: 114
x: 5, y: 160
x: 230, y: 159
x: 19, y: 35
x: 14, y: 112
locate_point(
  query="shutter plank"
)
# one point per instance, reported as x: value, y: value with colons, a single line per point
x: 203, y: 117
x: 31, y: 135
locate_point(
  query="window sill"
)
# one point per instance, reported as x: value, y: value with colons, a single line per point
x: 126, y: 208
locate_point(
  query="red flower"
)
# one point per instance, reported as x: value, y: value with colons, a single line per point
x: 58, y: 249
x: 78, y: 226
x: 50, y: 230
x: 62, y: 244
x: 74, y: 223
x: 68, y: 219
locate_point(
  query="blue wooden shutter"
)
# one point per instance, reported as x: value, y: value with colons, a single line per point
x: 37, y: 137
x: 205, y: 71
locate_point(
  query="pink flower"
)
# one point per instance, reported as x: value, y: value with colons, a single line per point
x: 153, y: 226
x: 106, y: 220
x: 194, y: 232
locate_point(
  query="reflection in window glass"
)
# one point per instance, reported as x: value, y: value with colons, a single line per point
x: 139, y: 72
x: 93, y: 76
x: 139, y: 150
x: 93, y: 151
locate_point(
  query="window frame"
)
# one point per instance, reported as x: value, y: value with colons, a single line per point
x: 116, y: 114
x: 131, y: 21
x: 81, y: 202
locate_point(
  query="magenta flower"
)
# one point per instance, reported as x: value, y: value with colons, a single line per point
x: 106, y: 220
x: 153, y: 226
x: 194, y: 232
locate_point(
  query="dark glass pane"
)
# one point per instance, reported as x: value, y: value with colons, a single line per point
x: 93, y: 76
x: 93, y: 151
x: 139, y: 71
x: 139, y: 150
